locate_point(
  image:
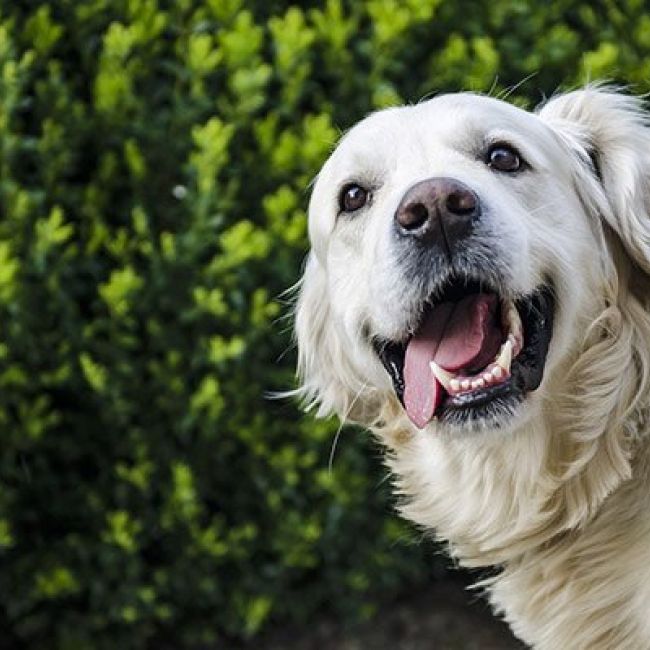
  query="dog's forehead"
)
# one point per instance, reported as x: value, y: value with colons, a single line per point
x: 454, y: 120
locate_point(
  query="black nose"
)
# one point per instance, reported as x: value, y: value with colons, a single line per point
x: 438, y: 210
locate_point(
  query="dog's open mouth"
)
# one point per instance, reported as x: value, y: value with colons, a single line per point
x: 475, y: 355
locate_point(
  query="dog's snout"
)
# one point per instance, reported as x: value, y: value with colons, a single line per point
x: 438, y: 210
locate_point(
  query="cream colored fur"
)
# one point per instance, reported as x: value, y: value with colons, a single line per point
x: 558, y: 498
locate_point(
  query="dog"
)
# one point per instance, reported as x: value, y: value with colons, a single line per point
x: 477, y: 294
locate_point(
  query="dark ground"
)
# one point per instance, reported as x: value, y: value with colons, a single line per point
x: 444, y: 616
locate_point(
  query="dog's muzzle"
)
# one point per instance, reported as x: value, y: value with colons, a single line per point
x: 477, y: 348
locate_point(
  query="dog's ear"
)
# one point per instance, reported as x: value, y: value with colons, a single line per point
x: 327, y: 379
x: 609, y: 132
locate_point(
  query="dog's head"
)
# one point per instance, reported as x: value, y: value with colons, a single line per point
x: 462, y: 247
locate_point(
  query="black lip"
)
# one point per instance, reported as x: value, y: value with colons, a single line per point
x: 392, y: 356
x: 537, y: 313
x: 489, y: 405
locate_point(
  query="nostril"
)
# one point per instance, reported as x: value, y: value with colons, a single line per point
x: 461, y: 202
x: 413, y: 216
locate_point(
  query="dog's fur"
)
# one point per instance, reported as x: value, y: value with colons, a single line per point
x: 558, y: 495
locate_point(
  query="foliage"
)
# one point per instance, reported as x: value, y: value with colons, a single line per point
x: 154, y: 160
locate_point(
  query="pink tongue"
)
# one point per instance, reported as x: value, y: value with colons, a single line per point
x: 457, y: 335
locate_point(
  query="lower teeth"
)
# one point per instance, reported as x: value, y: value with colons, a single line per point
x: 496, y: 373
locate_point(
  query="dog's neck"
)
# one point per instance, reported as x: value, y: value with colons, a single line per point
x: 487, y: 501
x: 498, y: 496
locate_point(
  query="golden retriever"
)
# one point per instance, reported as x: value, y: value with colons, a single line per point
x: 478, y: 294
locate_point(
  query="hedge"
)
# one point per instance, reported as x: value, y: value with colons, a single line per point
x: 154, y: 164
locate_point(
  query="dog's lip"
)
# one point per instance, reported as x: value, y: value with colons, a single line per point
x: 480, y: 397
x: 537, y: 311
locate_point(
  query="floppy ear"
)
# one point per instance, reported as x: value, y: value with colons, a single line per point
x: 609, y: 137
x: 325, y: 371
x: 610, y: 134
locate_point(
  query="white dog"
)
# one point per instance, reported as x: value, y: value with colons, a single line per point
x: 478, y: 293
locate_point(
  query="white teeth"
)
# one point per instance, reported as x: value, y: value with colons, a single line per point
x: 498, y: 370
x: 512, y: 318
x: 512, y: 321
x: 517, y: 343
x: 505, y: 356
x: 444, y: 377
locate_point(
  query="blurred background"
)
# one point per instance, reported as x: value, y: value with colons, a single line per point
x: 155, y: 158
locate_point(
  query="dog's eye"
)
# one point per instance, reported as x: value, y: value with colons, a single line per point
x: 503, y: 158
x: 353, y: 197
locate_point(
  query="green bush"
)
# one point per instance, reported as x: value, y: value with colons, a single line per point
x: 154, y: 160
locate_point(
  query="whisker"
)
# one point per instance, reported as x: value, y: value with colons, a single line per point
x: 340, y: 429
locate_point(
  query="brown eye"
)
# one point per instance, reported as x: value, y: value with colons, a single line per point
x: 353, y: 197
x: 504, y: 158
